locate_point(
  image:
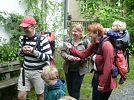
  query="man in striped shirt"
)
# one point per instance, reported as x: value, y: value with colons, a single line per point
x: 35, y: 58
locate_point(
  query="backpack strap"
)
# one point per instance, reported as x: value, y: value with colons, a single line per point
x: 37, y: 43
x: 23, y: 72
x: 24, y: 40
x: 100, y: 52
x: 86, y: 39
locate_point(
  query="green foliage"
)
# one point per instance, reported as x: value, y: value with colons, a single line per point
x: 11, y: 21
x: 9, y: 50
x: 104, y: 12
x: 45, y: 11
x: 8, y: 53
x: 131, y: 71
x: 107, y: 11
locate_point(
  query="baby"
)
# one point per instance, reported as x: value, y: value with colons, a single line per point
x: 54, y: 88
x: 117, y: 30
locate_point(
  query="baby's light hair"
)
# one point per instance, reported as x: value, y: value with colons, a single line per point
x: 120, y: 25
x: 49, y: 73
x: 67, y: 98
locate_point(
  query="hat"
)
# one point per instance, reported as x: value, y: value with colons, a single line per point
x: 28, y: 20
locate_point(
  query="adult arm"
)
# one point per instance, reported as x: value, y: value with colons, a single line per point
x: 84, y: 54
x: 45, y: 54
x: 65, y: 54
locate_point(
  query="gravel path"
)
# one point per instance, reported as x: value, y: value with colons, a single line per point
x: 126, y: 92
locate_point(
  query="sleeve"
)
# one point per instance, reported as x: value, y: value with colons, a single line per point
x: 65, y: 52
x: 45, y: 54
x: 108, y: 55
x: 60, y: 94
x: 84, y: 54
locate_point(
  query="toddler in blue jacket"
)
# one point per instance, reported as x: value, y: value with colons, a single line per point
x: 54, y: 87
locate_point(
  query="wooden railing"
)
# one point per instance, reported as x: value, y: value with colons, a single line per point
x: 9, y: 74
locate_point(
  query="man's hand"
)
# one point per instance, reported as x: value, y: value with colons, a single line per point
x: 27, y: 49
x: 67, y: 44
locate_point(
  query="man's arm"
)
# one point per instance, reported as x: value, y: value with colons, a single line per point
x: 45, y: 54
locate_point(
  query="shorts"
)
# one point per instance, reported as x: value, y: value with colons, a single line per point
x: 32, y: 77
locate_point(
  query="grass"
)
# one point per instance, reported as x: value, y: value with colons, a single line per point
x: 86, y: 86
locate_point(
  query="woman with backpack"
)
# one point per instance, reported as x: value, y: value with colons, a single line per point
x: 117, y: 33
x: 103, y: 82
x: 75, y: 70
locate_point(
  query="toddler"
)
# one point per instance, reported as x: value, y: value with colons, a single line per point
x: 117, y: 30
x: 54, y: 87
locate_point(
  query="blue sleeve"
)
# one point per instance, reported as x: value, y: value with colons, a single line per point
x: 114, y: 34
x: 60, y: 94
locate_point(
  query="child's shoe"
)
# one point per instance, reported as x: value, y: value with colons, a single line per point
x: 122, y: 80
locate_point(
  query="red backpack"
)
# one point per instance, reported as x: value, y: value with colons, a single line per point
x: 121, y: 63
x: 51, y: 39
x: 121, y: 58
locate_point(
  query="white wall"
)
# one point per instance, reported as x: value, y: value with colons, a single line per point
x: 10, y: 6
x: 14, y: 6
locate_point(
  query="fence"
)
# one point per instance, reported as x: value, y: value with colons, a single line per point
x: 9, y: 75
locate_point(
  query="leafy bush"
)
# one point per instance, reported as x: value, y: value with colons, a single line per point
x: 8, y: 53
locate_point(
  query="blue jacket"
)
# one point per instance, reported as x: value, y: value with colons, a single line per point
x: 114, y: 34
x: 56, y: 91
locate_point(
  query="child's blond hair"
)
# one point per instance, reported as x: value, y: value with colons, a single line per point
x: 49, y: 73
x: 121, y: 26
x: 67, y: 98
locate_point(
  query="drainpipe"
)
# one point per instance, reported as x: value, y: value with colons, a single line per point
x: 65, y: 17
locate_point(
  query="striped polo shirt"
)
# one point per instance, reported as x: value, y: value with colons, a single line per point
x: 43, y: 55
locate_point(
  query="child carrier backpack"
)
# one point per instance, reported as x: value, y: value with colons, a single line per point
x: 51, y: 39
x: 121, y: 58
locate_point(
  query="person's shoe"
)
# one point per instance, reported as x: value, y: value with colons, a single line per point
x: 122, y: 80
